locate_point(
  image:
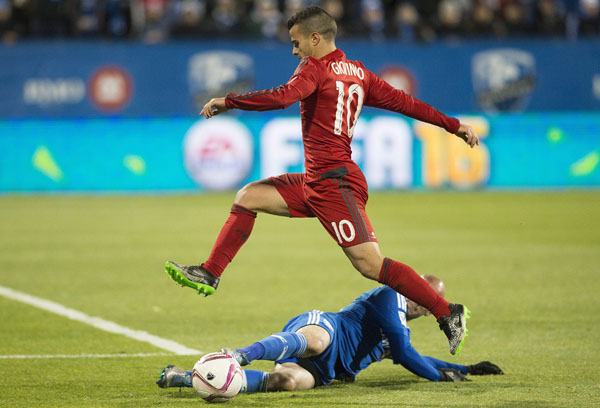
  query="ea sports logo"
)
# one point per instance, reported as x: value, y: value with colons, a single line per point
x: 110, y: 88
x: 218, y: 153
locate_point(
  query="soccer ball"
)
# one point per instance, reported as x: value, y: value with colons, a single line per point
x: 217, y: 377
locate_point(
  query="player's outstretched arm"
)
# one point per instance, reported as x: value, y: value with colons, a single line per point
x: 214, y: 107
x: 466, y: 133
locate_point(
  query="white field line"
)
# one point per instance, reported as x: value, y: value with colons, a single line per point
x: 97, y: 322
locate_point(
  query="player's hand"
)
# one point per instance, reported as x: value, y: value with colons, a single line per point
x: 466, y: 133
x: 484, y: 368
x: 450, y: 374
x: 214, y: 107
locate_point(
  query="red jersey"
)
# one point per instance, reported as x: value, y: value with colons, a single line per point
x: 332, y: 91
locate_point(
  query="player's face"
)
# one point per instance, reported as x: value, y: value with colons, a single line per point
x: 414, y: 310
x: 301, y: 43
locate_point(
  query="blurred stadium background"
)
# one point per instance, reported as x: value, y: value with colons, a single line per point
x: 102, y: 96
x: 106, y: 171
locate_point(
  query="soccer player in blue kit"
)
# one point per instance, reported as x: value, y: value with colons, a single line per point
x: 316, y: 347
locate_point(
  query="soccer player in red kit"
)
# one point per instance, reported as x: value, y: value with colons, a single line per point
x: 332, y: 91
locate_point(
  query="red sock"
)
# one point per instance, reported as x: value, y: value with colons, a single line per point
x: 234, y: 233
x: 404, y: 280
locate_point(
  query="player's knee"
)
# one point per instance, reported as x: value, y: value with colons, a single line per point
x: 367, y: 259
x: 368, y: 272
x: 245, y: 196
x: 368, y: 268
x: 316, y: 346
x: 282, y: 382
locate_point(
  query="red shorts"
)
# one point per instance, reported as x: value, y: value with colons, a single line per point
x: 338, y: 200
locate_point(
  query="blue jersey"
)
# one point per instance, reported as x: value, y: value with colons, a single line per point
x: 358, y: 334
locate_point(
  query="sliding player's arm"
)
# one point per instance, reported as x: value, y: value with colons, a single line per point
x: 390, y: 311
x: 481, y: 368
x: 382, y: 95
x: 402, y: 352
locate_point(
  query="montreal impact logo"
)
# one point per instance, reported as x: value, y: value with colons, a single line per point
x: 503, y: 79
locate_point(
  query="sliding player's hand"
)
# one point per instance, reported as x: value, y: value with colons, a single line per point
x: 466, y: 133
x: 450, y: 374
x: 214, y: 107
x: 484, y: 368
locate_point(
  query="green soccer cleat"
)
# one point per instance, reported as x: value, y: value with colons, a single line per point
x: 172, y: 376
x: 455, y: 326
x: 194, y: 277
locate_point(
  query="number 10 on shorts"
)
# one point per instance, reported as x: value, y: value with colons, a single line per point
x: 344, y: 230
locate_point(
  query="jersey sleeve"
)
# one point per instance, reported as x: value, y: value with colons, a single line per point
x: 404, y: 353
x: 300, y: 86
x: 384, y: 96
x: 390, y: 308
x: 438, y: 364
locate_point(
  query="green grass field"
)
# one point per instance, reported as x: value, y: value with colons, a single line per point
x: 526, y: 264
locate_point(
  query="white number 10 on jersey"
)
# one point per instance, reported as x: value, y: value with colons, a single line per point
x: 343, y: 102
x: 345, y: 230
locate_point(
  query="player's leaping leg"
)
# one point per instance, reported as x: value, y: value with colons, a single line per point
x: 259, y: 196
x: 452, y: 318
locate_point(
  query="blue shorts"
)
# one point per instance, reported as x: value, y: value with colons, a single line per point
x: 323, y: 367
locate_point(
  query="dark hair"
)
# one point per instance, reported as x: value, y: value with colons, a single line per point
x: 314, y: 19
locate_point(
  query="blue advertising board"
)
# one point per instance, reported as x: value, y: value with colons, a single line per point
x: 72, y: 80
x: 189, y: 154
